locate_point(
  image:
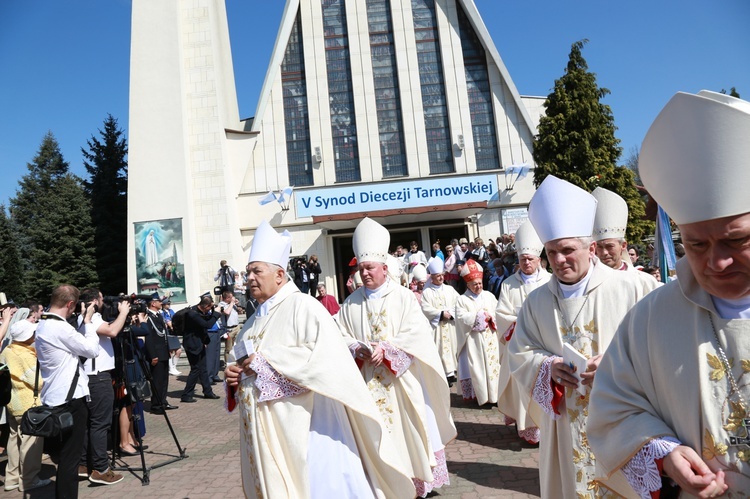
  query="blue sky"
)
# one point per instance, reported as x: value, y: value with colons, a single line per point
x: 64, y: 65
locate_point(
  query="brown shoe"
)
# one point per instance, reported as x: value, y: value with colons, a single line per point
x: 83, y: 471
x: 109, y: 477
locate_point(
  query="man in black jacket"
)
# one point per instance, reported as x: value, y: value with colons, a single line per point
x: 157, y: 354
x: 198, y: 319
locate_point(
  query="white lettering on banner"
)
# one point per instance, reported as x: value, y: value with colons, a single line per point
x: 394, y: 195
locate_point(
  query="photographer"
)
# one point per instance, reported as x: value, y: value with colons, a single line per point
x: 225, y: 276
x: 58, y: 346
x: 154, y: 329
x: 198, y: 319
x: 230, y: 321
x: 94, y: 464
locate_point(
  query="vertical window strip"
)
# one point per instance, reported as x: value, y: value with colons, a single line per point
x: 480, y: 96
x: 437, y: 127
x: 296, y: 120
x: 387, y: 94
x: 340, y: 91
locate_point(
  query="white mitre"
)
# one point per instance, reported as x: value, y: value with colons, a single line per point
x: 527, y: 240
x: 271, y: 247
x: 371, y: 241
x: 611, y: 220
x: 560, y: 210
x: 419, y: 273
x: 695, y: 159
x: 435, y: 266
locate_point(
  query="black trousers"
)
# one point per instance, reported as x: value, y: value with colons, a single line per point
x: 102, y: 401
x: 160, y: 375
x: 198, y: 373
x: 66, y: 481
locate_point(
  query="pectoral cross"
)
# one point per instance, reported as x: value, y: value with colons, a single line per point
x: 743, y: 439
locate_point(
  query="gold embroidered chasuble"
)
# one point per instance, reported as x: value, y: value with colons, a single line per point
x: 588, y: 323
x: 435, y: 300
x: 397, y: 319
x: 663, y: 376
x: 512, y: 400
x: 300, y: 340
x: 482, y: 347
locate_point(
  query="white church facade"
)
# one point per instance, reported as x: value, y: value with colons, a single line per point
x: 400, y: 110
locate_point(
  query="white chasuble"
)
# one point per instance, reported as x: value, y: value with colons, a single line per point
x: 435, y: 300
x: 415, y: 403
x: 309, y: 427
x: 663, y: 377
x: 512, y: 399
x: 588, y: 323
x: 478, y: 346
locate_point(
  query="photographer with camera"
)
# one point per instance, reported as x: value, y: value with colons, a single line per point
x: 225, y: 276
x: 197, y: 321
x: 230, y: 321
x: 58, y: 347
x: 154, y: 329
x: 94, y: 464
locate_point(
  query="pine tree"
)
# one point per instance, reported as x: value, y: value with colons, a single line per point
x: 53, y: 216
x: 11, y: 267
x: 107, y: 191
x: 576, y: 140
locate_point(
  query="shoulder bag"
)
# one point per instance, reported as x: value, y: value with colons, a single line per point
x: 46, y: 421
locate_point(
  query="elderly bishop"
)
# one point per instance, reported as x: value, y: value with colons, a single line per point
x: 439, y: 306
x: 478, y: 343
x: 513, y: 401
x: 610, y: 225
x: 392, y: 343
x: 309, y: 426
x: 672, y: 395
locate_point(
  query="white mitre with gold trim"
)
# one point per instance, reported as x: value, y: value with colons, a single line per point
x: 695, y: 159
x: 271, y: 247
x: 527, y: 240
x: 560, y: 210
x: 611, y: 220
x: 370, y: 241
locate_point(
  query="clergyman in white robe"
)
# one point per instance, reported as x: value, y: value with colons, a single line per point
x: 587, y: 320
x: 309, y: 426
x: 512, y: 400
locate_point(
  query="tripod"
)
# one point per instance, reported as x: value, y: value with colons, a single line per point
x: 130, y: 376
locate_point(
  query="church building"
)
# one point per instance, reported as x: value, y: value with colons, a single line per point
x: 400, y: 110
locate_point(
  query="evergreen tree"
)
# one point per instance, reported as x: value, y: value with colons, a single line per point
x: 107, y: 191
x: 52, y: 214
x: 576, y: 140
x: 11, y: 267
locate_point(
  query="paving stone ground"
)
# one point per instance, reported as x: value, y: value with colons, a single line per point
x: 486, y: 460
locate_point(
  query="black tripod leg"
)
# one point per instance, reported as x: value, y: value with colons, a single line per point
x: 115, y: 434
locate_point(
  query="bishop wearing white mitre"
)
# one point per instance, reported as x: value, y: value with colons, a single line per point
x: 392, y: 343
x: 309, y: 426
x: 581, y: 306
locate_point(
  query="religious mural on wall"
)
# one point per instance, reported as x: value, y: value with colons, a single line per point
x: 159, y: 261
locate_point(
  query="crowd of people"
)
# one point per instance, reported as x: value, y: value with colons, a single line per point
x: 631, y: 388
x: 94, y: 355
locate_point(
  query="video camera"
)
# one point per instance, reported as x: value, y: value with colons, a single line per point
x: 138, y: 305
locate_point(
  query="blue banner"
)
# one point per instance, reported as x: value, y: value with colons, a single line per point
x: 395, y: 195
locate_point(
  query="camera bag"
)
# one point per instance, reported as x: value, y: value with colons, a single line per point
x: 46, y: 421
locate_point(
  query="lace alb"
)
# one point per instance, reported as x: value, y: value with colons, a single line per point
x: 542, y: 393
x: 641, y: 471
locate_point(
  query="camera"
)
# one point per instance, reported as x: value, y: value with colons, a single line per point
x: 138, y: 305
